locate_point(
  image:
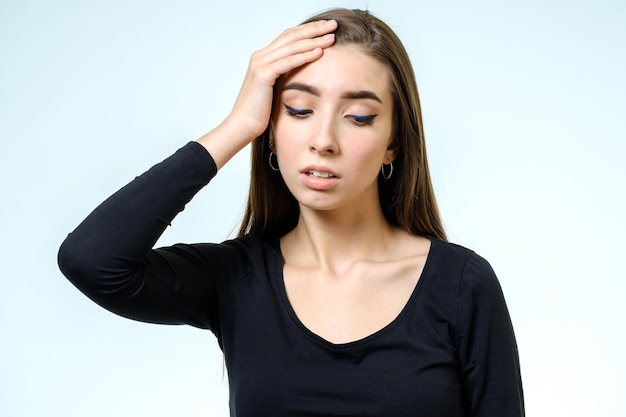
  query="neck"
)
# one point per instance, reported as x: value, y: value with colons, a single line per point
x: 336, y: 239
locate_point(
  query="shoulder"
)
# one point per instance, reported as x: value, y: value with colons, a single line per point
x: 238, y: 249
x: 471, y: 285
x: 249, y: 245
x: 464, y: 266
x: 452, y: 257
x: 232, y: 256
x: 247, y: 252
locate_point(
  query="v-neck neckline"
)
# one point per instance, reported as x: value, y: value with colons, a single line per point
x: 288, y: 307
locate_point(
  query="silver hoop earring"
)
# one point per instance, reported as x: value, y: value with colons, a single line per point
x: 382, y: 171
x: 270, y: 162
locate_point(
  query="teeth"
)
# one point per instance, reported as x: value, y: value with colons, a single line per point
x: 319, y: 174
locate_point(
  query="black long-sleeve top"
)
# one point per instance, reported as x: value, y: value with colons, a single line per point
x: 451, y: 352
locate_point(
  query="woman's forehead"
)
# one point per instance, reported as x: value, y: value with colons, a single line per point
x: 341, y: 69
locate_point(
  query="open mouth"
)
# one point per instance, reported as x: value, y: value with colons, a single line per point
x: 319, y: 174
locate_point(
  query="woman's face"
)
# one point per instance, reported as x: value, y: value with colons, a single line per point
x: 333, y: 129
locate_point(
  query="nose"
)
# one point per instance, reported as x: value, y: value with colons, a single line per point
x: 324, y: 138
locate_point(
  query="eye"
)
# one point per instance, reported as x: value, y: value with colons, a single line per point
x: 362, y: 120
x: 297, y: 113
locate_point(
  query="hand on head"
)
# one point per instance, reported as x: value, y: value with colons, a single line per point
x: 251, y: 112
x: 293, y: 48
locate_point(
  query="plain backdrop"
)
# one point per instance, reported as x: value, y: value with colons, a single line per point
x: 524, y: 114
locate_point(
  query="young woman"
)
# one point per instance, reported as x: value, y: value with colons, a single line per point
x: 341, y: 296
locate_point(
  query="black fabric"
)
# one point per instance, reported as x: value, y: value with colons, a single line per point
x: 450, y: 352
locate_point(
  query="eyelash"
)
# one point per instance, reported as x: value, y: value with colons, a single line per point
x: 298, y: 113
x: 364, y: 120
x: 358, y: 120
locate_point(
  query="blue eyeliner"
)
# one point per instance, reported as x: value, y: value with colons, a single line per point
x: 296, y: 112
x: 360, y: 120
x: 366, y: 120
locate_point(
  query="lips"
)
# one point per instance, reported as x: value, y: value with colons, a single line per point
x: 319, y: 178
x: 320, y: 174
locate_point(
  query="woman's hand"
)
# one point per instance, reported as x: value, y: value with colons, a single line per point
x: 292, y: 49
x: 251, y: 112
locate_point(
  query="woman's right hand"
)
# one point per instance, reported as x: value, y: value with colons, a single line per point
x: 251, y: 112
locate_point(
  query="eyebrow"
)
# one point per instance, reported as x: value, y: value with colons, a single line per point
x: 350, y: 95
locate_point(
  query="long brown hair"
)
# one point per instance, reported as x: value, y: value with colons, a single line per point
x: 407, y: 199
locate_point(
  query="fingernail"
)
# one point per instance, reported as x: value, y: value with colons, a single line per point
x: 330, y: 22
x: 328, y: 36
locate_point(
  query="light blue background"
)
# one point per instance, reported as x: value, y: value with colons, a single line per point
x: 524, y: 114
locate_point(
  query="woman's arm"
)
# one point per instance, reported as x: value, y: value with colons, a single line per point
x: 488, y: 353
x: 109, y: 257
x: 251, y: 112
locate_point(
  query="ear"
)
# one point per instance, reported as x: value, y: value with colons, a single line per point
x: 270, y: 141
x: 392, y: 151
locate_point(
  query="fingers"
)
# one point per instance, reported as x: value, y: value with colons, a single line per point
x: 306, y: 31
x: 292, y: 49
x: 297, y: 40
x: 297, y: 53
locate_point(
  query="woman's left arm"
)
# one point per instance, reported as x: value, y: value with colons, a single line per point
x: 488, y: 355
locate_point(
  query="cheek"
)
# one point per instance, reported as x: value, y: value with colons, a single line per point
x: 282, y: 129
x: 283, y: 138
x: 376, y: 146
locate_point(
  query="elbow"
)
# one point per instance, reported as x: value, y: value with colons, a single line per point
x: 66, y: 257
x: 92, y: 272
x: 96, y: 272
x: 75, y: 263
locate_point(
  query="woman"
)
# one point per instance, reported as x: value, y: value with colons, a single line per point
x: 340, y: 296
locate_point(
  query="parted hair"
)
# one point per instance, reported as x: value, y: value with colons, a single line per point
x: 407, y: 198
